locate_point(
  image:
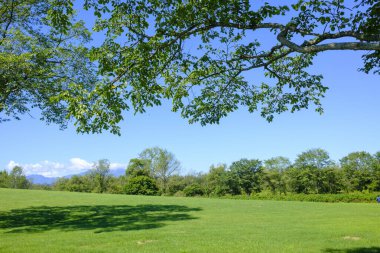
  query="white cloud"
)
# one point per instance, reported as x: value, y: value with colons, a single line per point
x: 115, y: 166
x: 55, y: 169
x: 12, y: 164
x: 79, y: 164
x: 44, y: 168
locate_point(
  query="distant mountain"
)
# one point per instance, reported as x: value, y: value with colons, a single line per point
x: 114, y: 172
x: 39, y: 179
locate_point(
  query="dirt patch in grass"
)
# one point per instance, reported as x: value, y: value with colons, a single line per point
x: 352, y: 238
x: 142, y: 242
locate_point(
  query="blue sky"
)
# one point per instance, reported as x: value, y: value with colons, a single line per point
x: 350, y: 123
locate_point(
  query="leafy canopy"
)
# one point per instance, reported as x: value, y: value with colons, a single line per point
x: 195, y: 53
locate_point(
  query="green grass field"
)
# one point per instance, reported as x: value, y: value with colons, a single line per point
x: 45, y: 221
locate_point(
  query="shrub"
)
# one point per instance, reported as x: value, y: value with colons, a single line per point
x: 341, y: 197
x: 141, y: 185
x: 193, y: 190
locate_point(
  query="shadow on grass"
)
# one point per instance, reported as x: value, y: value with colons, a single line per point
x: 354, y: 250
x: 100, y: 218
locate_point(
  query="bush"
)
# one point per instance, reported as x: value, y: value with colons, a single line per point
x: 141, y: 185
x: 179, y: 194
x: 193, y: 190
x: 341, y: 197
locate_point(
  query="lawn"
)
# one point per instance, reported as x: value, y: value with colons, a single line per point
x: 46, y: 221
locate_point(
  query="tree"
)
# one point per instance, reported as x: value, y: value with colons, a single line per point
x: 100, y: 175
x: 141, y: 185
x: 193, y: 190
x: 176, y: 184
x: 249, y: 174
x: 138, y: 167
x: 17, y: 179
x: 221, y: 181
x: 4, y: 179
x: 61, y: 184
x: 302, y: 180
x: 278, y: 163
x: 330, y: 180
x: 313, y: 158
x: 195, y: 53
x: 358, y: 168
x: 79, y: 184
x: 43, y: 61
x: 139, y: 179
x: 376, y: 172
x: 217, y: 184
x: 274, y: 173
x: 313, y: 172
x: 162, y: 165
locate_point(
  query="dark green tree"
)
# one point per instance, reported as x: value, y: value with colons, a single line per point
x: 139, y: 179
x: 302, y: 180
x: 313, y: 158
x: 141, y: 185
x: 138, y: 167
x: 193, y: 190
x: 249, y: 174
x: 4, y: 179
x: 61, y: 184
x: 79, y: 184
x: 313, y: 172
x: 274, y: 177
x: 330, y: 180
x: 220, y: 181
x: 376, y: 173
x: 358, y: 168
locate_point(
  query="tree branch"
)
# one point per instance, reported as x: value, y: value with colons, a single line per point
x: 310, y: 47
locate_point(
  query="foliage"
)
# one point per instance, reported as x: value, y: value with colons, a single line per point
x: 358, y: 168
x: 141, y: 185
x: 43, y: 62
x: 278, y: 163
x: 274, y: 178
x: 177, y: 183
x: 313, y: 158
x: 79, y: 184
x: 354, y: 197
x: 220, y: 181
x: 14, y: 179
x: 249, y: 174
x: 197, y: 54
x: 162, y: 165
x: 139, y: 179
x: 376, y: 173
x: 193, y: 190
x: 116, y: 185
x: 313, y: 173
x: 4, y: 179
x: 100, y: 175
x: 138, y: 167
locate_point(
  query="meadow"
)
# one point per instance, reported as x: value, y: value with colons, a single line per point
x: 48, y: 221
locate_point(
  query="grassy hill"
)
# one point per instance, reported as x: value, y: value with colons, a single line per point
x: 44, y: 221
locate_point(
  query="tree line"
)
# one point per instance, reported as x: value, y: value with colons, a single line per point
x: 156, y: 171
